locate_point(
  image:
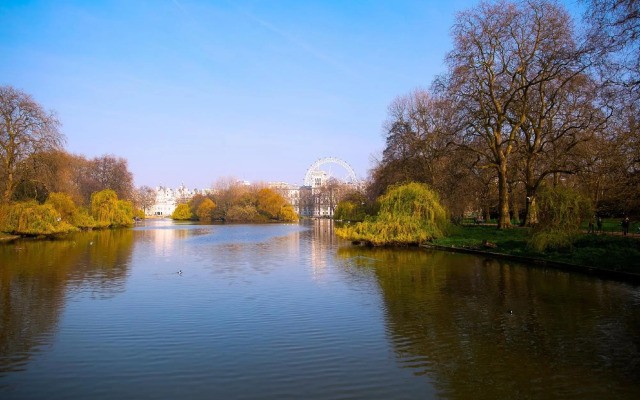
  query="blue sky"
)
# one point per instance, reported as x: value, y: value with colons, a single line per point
x: 190, y: 91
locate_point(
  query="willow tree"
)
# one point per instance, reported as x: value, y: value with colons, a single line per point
x: 108, y: 211
x: 25, y: 129
x: 409, y: 214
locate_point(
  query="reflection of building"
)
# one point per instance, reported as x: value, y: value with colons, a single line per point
x: 322, y: 239
x: 167, y: 199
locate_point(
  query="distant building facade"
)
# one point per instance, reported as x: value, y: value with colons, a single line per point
x: 318, y: 200
x: 167, y: 200
x: 291, y: 193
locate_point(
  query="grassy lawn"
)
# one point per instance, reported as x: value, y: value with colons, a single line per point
x: 610, y: 252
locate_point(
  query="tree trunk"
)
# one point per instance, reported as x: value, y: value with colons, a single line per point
x: 515, y: 210
x: 9, y: 189
x: 503, y: 197
x: 531, y: 210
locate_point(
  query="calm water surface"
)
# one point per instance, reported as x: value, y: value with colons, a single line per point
x: 291, y: 312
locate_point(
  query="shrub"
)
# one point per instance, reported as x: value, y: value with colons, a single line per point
x: 409, y: 214
x: 560, y: 213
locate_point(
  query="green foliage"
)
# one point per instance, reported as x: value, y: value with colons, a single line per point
x: 613, y: 252
x: 350, y: 211
x: 409, y: 214
x: 124, y: 213
x: 82, y: 219
x: 108, y: 211
x: 63, y: 204
x: 31, y: 218
x: 68, y: 211
x: 205, y: 210
x: 182, y: 212
x: 560, y: 212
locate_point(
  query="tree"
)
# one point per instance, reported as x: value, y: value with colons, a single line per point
x: 108, y: 211
x: 242, y: 213
x: 111, y: 172
x: 614, y: 32
x: 205, y: 210
x: 270, y: 203
x: 145, y: 197
x: 31, y: 218
x: 503, y: 52
x: 409, y: 214
x: 182, y: 212
x: 25, y: 129
x: 561, y: 211
x: 287, y: 213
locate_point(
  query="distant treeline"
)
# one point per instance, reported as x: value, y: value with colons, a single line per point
x: 237, y: 203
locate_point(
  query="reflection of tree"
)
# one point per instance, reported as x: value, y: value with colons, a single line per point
x: 36, y: 275
x: 449, y: 318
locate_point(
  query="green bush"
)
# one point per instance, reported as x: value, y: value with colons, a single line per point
x: 409, y: 214
x: 560, y: 212
x: 31, y: 218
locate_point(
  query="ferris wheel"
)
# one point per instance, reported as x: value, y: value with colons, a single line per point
x: 329, y: 168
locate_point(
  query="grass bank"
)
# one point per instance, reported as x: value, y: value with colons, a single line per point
x: 608, y: 252
x: 6, y: 236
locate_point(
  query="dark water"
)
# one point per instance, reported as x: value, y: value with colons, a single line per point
x: 291, y: 312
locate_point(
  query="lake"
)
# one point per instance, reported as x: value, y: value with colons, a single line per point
x: 292, y: 312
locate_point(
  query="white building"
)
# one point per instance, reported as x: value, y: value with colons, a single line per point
x: 318, y: 200
x: 167, y: 199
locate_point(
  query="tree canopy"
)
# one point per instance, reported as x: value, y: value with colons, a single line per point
x: 25, y: 129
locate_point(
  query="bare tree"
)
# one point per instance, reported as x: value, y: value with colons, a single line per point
x: 614, y: 32
x: 145, y: 197
x: 503, y: 53
x: 25, y: 129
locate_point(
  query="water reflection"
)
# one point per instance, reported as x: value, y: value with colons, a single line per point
x: 290, y: 311
x: 481, y: 328
x: 37, y: 276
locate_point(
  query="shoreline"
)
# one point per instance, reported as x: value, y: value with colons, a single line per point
x: 628, y: 277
